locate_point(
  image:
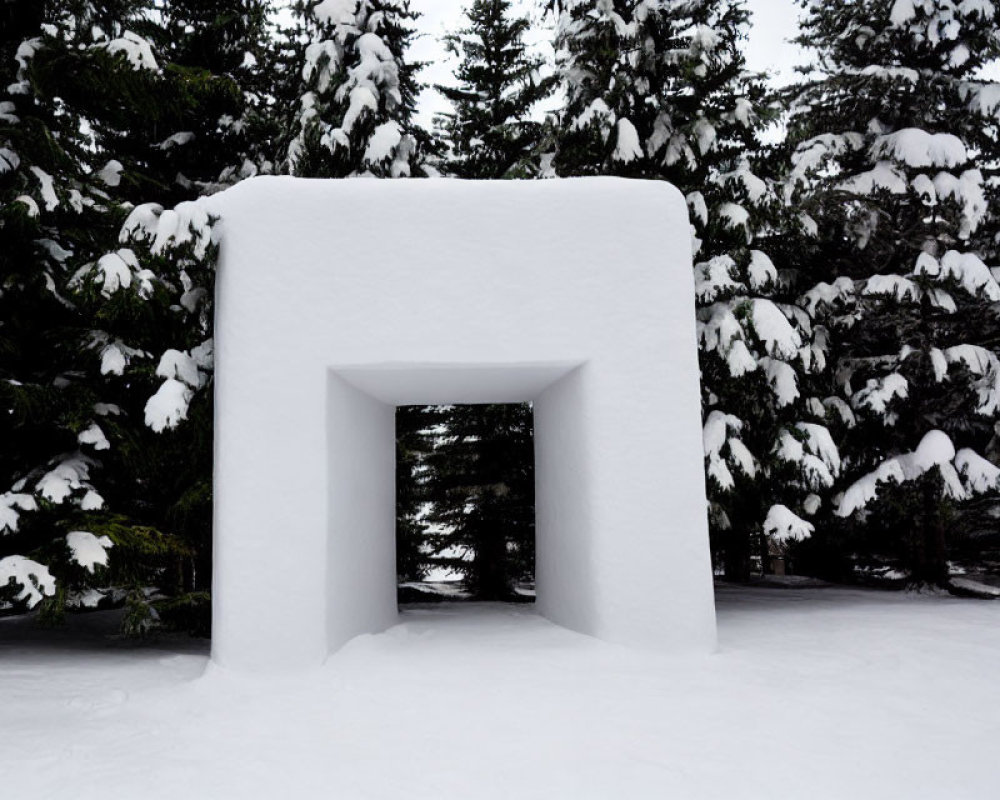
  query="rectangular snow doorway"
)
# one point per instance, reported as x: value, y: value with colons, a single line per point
x: 465, y: 503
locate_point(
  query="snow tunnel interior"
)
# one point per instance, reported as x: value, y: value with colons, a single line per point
x: 362, y: 403
x: 465, y: 503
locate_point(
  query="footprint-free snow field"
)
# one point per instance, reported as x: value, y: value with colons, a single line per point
x: 819, y: 693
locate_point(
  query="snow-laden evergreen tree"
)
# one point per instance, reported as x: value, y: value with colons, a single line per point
x: 357, y: 91
x: 225, y: 55
x: 413, y: 444
x: 64, y: 64
x: 219, y: 59
x: 888, y: 134
x: 475, y: 490
x: 96, y: 116
x: 490, y: 133
x: 658, y: 89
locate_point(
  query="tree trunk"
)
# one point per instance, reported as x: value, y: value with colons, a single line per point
x: 737, y: 558
x: 930, y: 550
x: 489, y: 574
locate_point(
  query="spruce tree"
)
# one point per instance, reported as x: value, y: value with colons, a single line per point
x: 218, y: 59
x: 62, y: 536
x: 109, y: 106
x: 659, y: 90
x: 479, y: 486
x: 889, y: 133
x: 357, y: 91
x: 489, y: 132
x: 224, y: 55
x: 414, y: 442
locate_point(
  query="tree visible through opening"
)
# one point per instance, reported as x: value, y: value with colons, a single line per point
x: 465, y: 502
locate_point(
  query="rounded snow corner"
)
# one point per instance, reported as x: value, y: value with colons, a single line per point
x: 252, y: 190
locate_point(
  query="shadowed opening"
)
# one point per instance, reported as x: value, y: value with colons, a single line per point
x: 465, y: 502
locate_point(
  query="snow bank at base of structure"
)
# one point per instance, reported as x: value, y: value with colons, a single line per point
x: 824, y: 693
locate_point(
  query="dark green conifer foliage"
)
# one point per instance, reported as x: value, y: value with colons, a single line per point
x: 62, y: 70
x: 209, y: 124
x: 356, y: 95
x: 479, y: 481
x: 890, y: 133
x: 413, y: 444
x: 108, y: 105
x: 489, y: 133
x: 660, y: 90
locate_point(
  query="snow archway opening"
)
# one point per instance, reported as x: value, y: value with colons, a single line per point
x: 465, y: 504
x: 361, y: 554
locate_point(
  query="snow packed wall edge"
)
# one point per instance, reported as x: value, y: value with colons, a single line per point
x: 340, y: 299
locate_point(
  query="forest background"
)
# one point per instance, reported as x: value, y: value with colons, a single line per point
x: 843, y: 222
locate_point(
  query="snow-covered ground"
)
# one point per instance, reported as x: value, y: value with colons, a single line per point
x: 819, y: 693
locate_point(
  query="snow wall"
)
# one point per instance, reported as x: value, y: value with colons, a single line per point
x: 341, y: 299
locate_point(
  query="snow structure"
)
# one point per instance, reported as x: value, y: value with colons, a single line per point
x: 575, y: 295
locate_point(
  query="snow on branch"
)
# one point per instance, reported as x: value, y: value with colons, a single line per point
x: 743, y: 180
x: 813, y: 155
x: 783, y: 525
x: 811, y: 448
x: 985, y: 364
x: 978, y: 474
x: 964, y: 269
x: 843, y: 411
x: 137, y: 51
x: 896, y: 286
x: 94, y: 436
x: 878, y: 393
x: 982, y: 98
x: 735, y: 217
x: 115, y: 354
x: 968, y: 191
x: 34, y: 579
x: 67, y: 479
x: 10, y: 504
x: 884, y: 176
x: 761, y: 271
x: 782, y: 379
x: 596, y: 113
x: 88, y: 550
x: 964, y: 474
x: 714, y: 277
x: 627, y: 147
x: 192, y: 222
x: 720, y: 431
x: 336, y: 12
x: 773, y: 329
x: 918, y: 148
x: 829, y: 296
x: 185, y: 372
x: 119, y: 270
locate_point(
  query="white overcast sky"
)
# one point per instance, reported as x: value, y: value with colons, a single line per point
x: 772, y: 24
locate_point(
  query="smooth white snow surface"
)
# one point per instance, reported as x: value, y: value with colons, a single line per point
x: 341, y: 299
x: 819, y: 693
